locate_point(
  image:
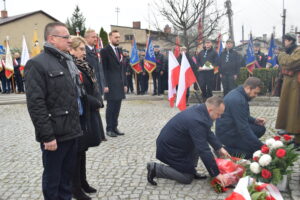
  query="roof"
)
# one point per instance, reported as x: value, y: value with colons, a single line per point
x: 21, y: 16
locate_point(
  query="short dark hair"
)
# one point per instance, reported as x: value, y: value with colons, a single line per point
x: 49, y: 29
x: 215, y: 101
x: 253, y: 82
x: 113, y: 31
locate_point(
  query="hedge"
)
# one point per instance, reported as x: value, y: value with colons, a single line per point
x: 266, y: 75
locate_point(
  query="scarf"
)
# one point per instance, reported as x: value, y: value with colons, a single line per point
x: 74, y: 72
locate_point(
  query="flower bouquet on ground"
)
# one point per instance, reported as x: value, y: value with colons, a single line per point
x: 248, y: 189
x: 231, y: 169
x: 208, y: 66
x: 273, y: 160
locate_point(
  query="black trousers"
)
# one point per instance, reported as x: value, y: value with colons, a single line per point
x: 228, y: 83
x: 129, y: 83
x: 139, y: 83
x: 19, y: 82
x: 112, y: 114
x: 157, y: 83
x: 59, y: 167
x: 206, y: 79
x: 144, y: 83
x: 217, y: 82
x: 79, y: 178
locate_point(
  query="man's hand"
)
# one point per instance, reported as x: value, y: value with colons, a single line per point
x: 224, y: 153
x: 161, y: 72
x: 222, y: 179
x: 220, y: 75
x: 260, y: 121
x: 51, y: 146
x: 127, y: 73
x: 106, y: 90
x: 234, y: 77
x: 125, y: 89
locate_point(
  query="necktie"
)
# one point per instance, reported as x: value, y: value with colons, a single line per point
x: 117, y: 53
x: 227, y: 57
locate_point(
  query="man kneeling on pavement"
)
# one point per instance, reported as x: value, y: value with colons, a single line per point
x: 236, y: 129
x: 183, y: 139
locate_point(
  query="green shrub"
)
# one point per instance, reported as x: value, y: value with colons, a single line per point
x: 267, y: 76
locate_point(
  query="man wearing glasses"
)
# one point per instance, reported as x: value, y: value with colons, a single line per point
x: 53, y: 94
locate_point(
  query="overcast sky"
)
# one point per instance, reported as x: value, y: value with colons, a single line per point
x: 258, y: 16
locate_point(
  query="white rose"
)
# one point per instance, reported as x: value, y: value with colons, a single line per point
x: 270, y: 142
x: 257, y: 154
x: 265, y: 160
x: 255, y: 168
x: 277, y: 144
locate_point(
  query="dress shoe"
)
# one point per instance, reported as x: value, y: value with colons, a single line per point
x: 117, y: 132
x: 151, y: 166
x: 80, y: 195
x: 111, y: 134
x: 104, y: 139
x: 88, y: 189
x: 199, y: 176
x: 282, y: 132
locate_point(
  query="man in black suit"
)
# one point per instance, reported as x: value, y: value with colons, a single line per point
x: 115, y: 82
x: 92, y: 57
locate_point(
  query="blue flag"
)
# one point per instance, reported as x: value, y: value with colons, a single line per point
x: 2, y: 50
x: 150, y: 60
x: 134, y: 58
x: 272, y: 58
x: 250, y: 57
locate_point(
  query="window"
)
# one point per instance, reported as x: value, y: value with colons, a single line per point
x: 128, y: 37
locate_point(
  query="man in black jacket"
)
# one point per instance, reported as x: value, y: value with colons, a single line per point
x: 158, y: 73
x: 259, y: 56
x: 115, y: 82
x: 236, y: 129
x: 92, y: 57
x: 144, y: 75
x: 53, y: 98
x: 17, y: 73
x: 208, y: 56
x: 183, y: 139
x: 229, y: 63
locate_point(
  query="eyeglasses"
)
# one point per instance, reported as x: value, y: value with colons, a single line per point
x: 63, y: 36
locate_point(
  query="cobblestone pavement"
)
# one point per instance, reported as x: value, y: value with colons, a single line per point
x: 117, y: 168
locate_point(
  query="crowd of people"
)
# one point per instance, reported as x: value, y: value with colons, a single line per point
x: 67, y: 84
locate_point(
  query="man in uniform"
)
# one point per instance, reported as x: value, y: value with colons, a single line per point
x: 128, y: 71
x: 158, y: 73
x: 259, y: 56
x: 144, y: 75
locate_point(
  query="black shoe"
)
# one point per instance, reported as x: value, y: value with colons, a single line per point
x: 89, y: 189
x: 117, y: 132
x: 282, y: 132
x: 111, y: 134
x: 154, y: 94
x: 80, y: 195
x: 151, y: 173
x: 104, y: 139
x: 199, y: 176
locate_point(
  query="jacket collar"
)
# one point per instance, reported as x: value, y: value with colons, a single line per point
x: 204, y: 115
x: 241, y: 90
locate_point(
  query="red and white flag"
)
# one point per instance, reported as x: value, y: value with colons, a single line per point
x: 9, y: 67
x: 186, y: 79
x: 173, y: 79
x: 24, y: 56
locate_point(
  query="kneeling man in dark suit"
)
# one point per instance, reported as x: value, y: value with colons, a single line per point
x: 183, y: 139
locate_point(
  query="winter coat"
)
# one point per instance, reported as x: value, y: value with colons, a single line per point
x: 229, y: 63
x: 186, y: 136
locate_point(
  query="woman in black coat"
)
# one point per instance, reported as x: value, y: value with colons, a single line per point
x: 90, y: 120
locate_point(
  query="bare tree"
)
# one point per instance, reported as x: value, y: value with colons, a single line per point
x: 184, y: 15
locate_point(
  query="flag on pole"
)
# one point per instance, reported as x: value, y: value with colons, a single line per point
x: 36, y: 47
x: 9, y: 67
x: 24, y: 56
x: 219, y: 51
x: 2, y: 50
x: 177, y: 47
x: 150, y: 60
x: 134, y: 58
x: 186, y: 79
x: 173, y: 77
x: 272, y: 59
x: 250, y: 57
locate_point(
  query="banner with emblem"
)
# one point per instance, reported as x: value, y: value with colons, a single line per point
x: 272, y: 59
x: 36, y: 47
x: 250, y: 57
x: 9, y: 67
x: 150, y: 61
x: 134, y: 58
